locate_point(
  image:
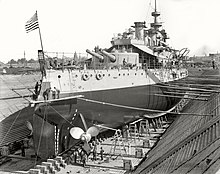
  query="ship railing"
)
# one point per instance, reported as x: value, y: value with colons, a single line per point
x: 61, y: 61
x: 85, y: 66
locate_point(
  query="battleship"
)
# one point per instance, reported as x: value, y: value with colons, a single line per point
x: 135, y: 107
x: 115, y: 86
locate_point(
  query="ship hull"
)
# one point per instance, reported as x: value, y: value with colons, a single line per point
x: 111, y: 107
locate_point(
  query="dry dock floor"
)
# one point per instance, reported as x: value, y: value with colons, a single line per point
x: 126, y: 156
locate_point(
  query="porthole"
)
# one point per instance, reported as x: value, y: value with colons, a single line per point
x: 135, y: 74
x: 90, y: 75
x: 109, y: 75
x: 59, y: 76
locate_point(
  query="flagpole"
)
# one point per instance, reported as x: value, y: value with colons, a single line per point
x: 40, y: 36
x: 41, y: 39
x: 31, y: 25
x: 43, y: 63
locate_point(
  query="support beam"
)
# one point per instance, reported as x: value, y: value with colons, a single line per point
x: 184, y: 84
x: 162, y: 95
x: 186, y: 93
x: 186, y: 89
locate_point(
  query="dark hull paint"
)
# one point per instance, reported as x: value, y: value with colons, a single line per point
x: 138, y: 97
x: 62, y: 114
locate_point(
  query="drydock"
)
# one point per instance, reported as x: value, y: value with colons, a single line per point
x: 185, y: 142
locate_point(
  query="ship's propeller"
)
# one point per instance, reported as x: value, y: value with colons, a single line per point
x: 78, y: 133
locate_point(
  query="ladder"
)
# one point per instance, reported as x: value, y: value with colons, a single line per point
x: 144, y: 127
x: 118, y: 141
x: 133, y: 132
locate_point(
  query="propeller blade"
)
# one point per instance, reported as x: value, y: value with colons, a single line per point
x: 93, y: 131
x: 76, y: 132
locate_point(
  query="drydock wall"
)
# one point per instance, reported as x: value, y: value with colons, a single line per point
x: 15, y: 94
x: 191, y: 144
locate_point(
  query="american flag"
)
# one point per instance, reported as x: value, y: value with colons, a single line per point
x: 32, y: 23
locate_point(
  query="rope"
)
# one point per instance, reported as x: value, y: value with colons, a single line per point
x: 42, y: 127
x: 140, y: 109
x: 60, y: 115
x: 10, y: 127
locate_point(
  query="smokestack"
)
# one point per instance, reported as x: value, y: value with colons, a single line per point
x: 139, y: 30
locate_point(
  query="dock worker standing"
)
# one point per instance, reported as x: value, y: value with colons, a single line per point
x: 75, y: 154
x: 94, y: 152
x: 101, y: 153
x: 84, y: 160
x: 83, y: 157
x: 22, y: 149
x: 124, y: 62
x: 57, y: 92
x: 213, y: 64
x: 36, y: 88
x: 53, y: 93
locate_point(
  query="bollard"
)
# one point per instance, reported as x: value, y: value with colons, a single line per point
x: 146, y: 143
x: 138, y: 153
x: 127, y: 165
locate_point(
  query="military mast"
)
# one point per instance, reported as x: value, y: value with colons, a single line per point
x: 156, y: 25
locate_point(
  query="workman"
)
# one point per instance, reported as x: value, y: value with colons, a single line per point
x: 36, y: 88
x: 57, y: 92
x: 22, y: 149
x: 53, y: 94
x: 75, y: 154
x: 101, y: 153
x: 94, y: 152
x: 124, y: 62
x: 83, y: 157
x: 46, y: 93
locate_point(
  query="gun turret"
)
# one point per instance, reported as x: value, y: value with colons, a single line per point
x: 98, y: 56
x: 110, y: 56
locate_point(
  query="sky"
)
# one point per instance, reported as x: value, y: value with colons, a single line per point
x: 77, y: 25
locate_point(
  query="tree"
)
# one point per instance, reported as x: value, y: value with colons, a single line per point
x: 22, y: 61
x: 32, y: 61
x: 12, y: 61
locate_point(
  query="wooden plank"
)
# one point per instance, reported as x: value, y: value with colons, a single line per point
x: 56, y: 100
